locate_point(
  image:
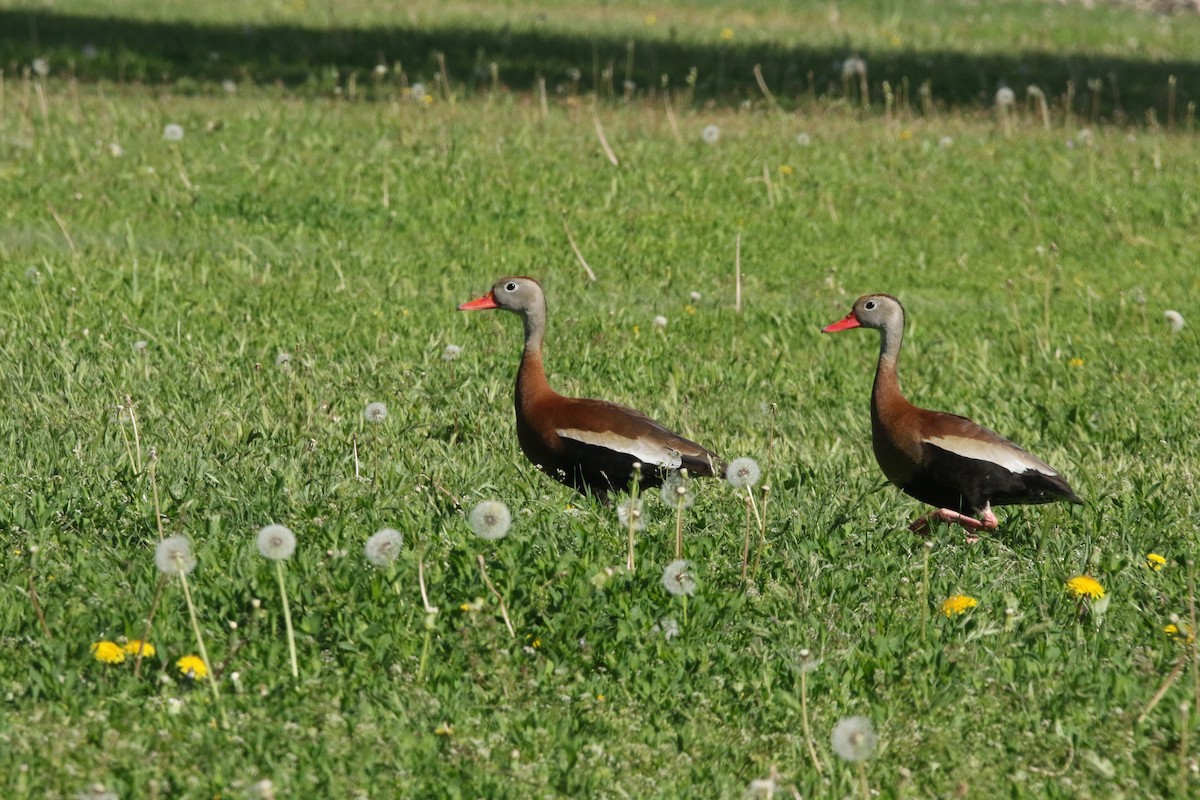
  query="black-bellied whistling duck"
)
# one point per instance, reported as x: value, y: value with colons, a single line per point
x: 942, y: 459
x: 590, y: 445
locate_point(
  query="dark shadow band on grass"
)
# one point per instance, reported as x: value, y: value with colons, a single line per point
x: 189, y: 57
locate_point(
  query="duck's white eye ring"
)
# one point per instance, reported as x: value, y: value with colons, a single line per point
x: 869, y: 305
x: 511, y: 286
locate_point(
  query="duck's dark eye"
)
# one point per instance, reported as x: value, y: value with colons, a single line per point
x: 869, y: 305
x: 511, y: 286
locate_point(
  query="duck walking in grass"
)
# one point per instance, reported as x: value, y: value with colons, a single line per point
x: 942, y: 459
x: 589, y: 445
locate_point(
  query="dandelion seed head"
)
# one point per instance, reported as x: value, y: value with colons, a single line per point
x: 418, y: 91
x: 97, y: 791
x: 41, y: 66
x: 380, y: 70
x: 945, y: 142
x: 283, y: 360
x: 854, y: 738
x: 711, y: 134
x: 451, y: 352
x: 229, y: 86
x: 660, y: 321
x: 375, y: 412
x: 1175, y: 320
x: 192, y: 667
x: 108, y: 652
x: 854, y: 67
x: 677, y: 578
x: 173, y: 556
x: 1005, y: 97
x: 629, y: 514
x: 276, y: 542
x: 803, y: 139
x: 384, y: 546
x: 677, y: 491
x: 173, y: 132
x: 574, y: 74
x: 667, y: 627
x: 490, y: 520
x: 139, y: 346
x: 695, y: 296
x: 742, y: 473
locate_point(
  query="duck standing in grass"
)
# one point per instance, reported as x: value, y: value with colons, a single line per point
x: 589, y: 445
x: 942, y: 459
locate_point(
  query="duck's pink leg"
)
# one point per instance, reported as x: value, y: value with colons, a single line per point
x: 987, y: 521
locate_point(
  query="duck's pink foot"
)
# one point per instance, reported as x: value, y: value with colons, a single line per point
x: 987, y: 521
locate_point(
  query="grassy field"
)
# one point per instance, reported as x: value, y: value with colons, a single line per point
x: 248, y: 289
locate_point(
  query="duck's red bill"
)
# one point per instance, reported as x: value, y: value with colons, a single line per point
x: 487, y: 301
x: 844, y: 324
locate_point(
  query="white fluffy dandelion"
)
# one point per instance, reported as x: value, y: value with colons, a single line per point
x: 375, y: 412
x: 945, y: 141
x: 695, y: 296
x: 174, y: 556
x: 854, y: 67
x: 677, y: 491
x: 229, y: 86
x: 283, y: 360
x: 115, y: 150
x: 742, y: 473
x: 173, y: 132
x: 677, y: 578
x: 276, y: 542
x: 490, y: 520
x: 668, y: 627
x: 418, y: 91
x: 711, y: 134
x: 629, y: 514
x: 451, y: 352
x: 1175, y: 319
x: 384, y: 547
x: 803, y: 139
x: 854, y: 738
x: 1005, y: 97
x: 41, y: 67
x: 660, y: 321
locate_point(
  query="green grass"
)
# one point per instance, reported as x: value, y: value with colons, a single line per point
x: 345, y: 233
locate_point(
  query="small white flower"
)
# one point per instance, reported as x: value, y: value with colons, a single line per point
x: 384, y: 546
x: 945, y: 142
x: 1005, y: 97
x: 711, y: 134
x: 695, y: 296
x: 115, y: 150
x: 1175, y: 319
x: 380, y: 70
x: 229, y: 86
x: 854, y: 738
x: 283, y: 360
x: 451, y: 352
x: 742, y: 473
x: 173, y: 132
x: 90, y: 52
x: 490, y: 520
x: 418, y: 91
x: 276, y: 542
x: 174, y: 556
x: 677, y: 578
x: 660, y: 321
x: 629, y: 514
x: 41, y: 66
x: 803, y: 139
x: 139, y: 346
x: 375, y: 412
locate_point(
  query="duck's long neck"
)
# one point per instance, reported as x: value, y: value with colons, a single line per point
x: 531, y: 377
x: 886, y: 392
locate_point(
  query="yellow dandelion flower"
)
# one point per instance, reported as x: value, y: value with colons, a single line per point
x: 599, y: 698
x: 1182, y: 632
x: 726, y: 34
x: 958, y: 604
x: 905, y: 135
x: 134, y: 645
x: 427, y: 99
x: 1082, y: 586
x: 637, y: 331
x: 108, y: 652
x: 1075, y: 363
x: 1155, y: 561
x: 192, y: 667
x: 445, y: 729
x: 651, y: 19
x: 689, y: 309
x: 895, y: 40
x: 785, y: 169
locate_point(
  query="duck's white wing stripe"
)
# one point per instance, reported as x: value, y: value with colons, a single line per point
x: 1012, y: 459
x: 647, y: 452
